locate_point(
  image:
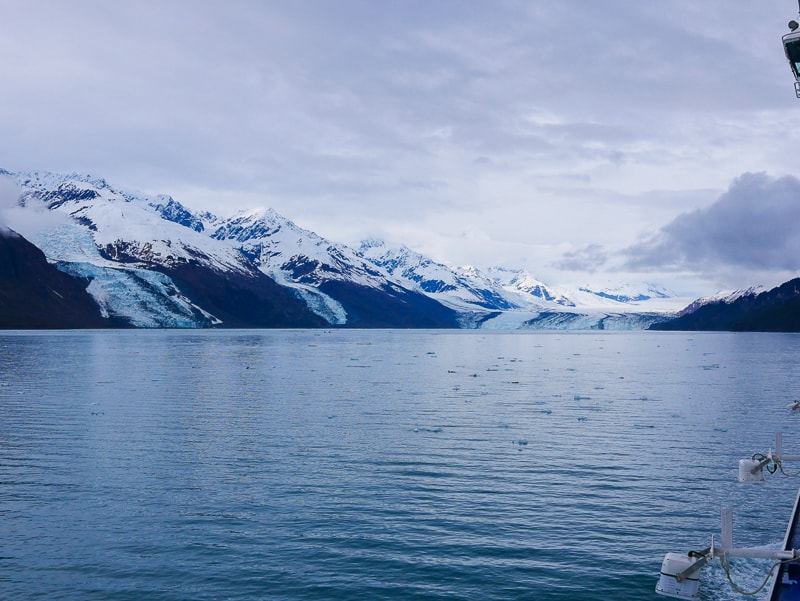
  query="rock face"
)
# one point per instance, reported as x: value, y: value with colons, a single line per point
x: 35, y: 294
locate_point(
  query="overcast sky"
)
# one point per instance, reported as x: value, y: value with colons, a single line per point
x: 581, y: 140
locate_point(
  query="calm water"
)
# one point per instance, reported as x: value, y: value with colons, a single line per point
x: 297, y: 465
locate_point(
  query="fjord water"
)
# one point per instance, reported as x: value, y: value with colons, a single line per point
x: 296, y: 465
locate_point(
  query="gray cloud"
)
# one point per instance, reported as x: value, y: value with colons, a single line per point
x: 755, y: 226
x: 426, y: 117
x: 589, y: 258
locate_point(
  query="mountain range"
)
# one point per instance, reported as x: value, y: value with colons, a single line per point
x: 76, y: 251
x: 751, y: 310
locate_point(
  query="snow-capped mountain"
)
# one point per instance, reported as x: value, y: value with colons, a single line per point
x: 530, y: 290
x: 149, y: 261
x: 143, y: 266
x: 726, y: 297
x: 752, y: 310
x: 501, y: 298
x: 332, y: 279
x: 463, y: 289
x: 282, y: 249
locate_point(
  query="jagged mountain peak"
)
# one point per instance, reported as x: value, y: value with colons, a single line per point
x: 260, y: 214
x: 333, y: 279
x: 149, y: 250
x: 147, y: 259
x: 172, y: 210
x: 468, y: 270
x: 294, y: 255
x: 381, y: 251
x: 123, y: 226
x: 55, y: 189
x: 463, y: 289
x: 269, y: 230
x: 526, y: 284
x: 253, y: 225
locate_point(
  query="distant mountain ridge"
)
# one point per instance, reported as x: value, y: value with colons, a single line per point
x: 461, y: 289
x: 148, y: 261
x: 514, y: 299
x: 721, y: 297
x: 751, y: 310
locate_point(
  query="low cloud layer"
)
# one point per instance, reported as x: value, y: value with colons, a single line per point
x: 754, y: 226
x: 9, y: 197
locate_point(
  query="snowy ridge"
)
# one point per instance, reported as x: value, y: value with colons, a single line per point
x: 112, y: 239
x: 629, y: 293
x: 532, y: 291
x: 140, y: 254
x: 502, y: 298
x: 465, y: 289
x: 280, y: 248
x: 125, y: 226
x: 298, y: 259
x: 728, y: 297
x: 119, y: 238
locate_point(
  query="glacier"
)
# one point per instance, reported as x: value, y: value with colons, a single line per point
x: 133, y: 250
x: 139, y: 297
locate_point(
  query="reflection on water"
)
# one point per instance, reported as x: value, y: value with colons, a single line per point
x: 381, y: 464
